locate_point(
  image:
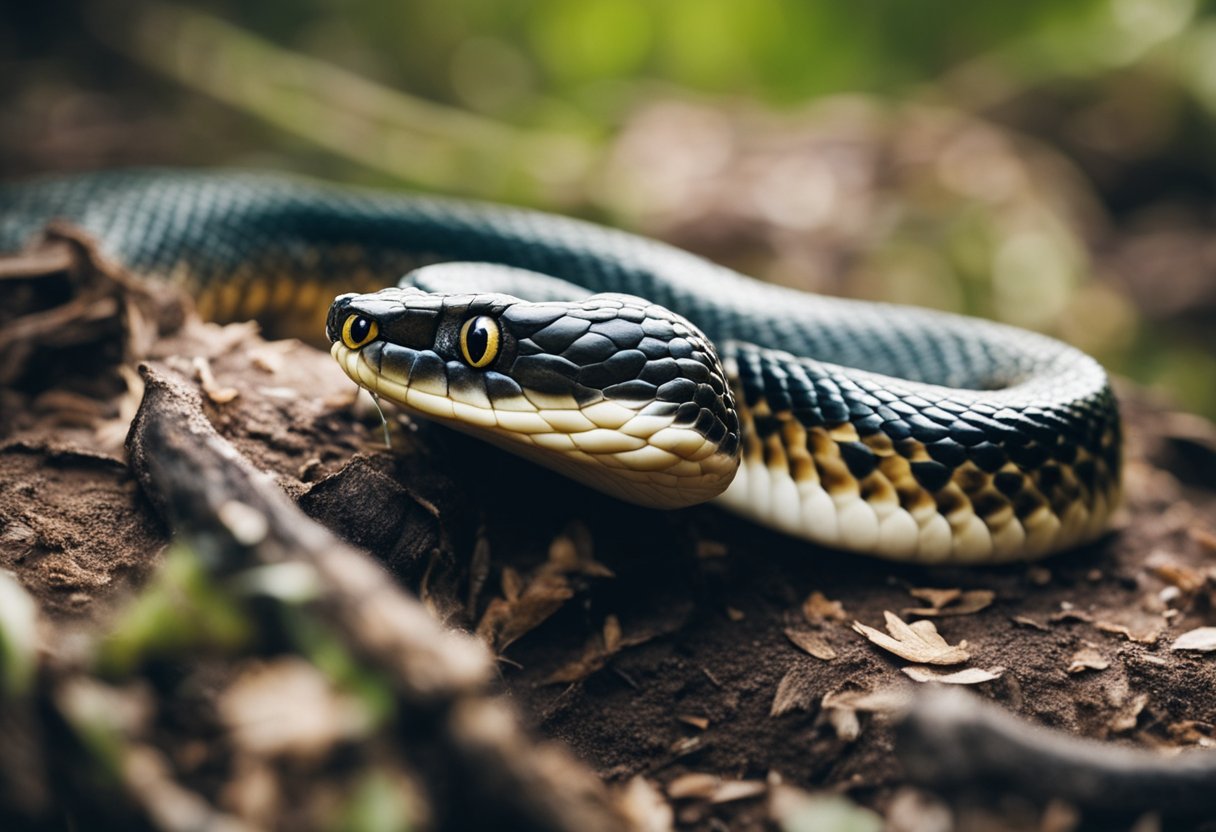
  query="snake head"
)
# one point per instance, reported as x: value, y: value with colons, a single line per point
x: 612, y: 391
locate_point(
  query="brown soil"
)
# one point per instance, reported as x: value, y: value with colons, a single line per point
x: 659, y: 644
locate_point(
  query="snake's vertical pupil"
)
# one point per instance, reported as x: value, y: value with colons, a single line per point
x: 358, y: 331
x: 479, y: 341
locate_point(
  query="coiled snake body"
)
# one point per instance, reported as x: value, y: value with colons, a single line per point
x: 643, y: 370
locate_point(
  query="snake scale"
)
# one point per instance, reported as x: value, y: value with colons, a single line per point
x: 646, y: 371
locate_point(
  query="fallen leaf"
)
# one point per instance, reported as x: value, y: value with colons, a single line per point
x: 698, y: 722
x: 1087, y: 658
x: 1204, y: 537
x: 793, y: 693
x: 1202, y: 639
x: 645, y: 807
x: 811, y: 643
x: 936, y: 598
x: 732, y: 790
x: 970, y: 676
x: 698, y: 785
x: 1070, y: 614
x: 693, y: 784
x: 1192, y: 732
x: 818, y: 608
x: 951, y: 602
x: 844, y: 723
x: 1188, y: 580
x: 1125, y: 719
x: 1027, y: 621
x: 1039, y: 575
x: 888, y: 700
x: 598, y: 650
x: 526, y: 604
x: 917, y: 642
x: 1146, y: 637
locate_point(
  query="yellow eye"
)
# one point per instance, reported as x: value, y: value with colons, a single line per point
x: 479, y: 338
x: 358, y: 331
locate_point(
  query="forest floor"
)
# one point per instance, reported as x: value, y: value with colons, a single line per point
x: 708, y: 670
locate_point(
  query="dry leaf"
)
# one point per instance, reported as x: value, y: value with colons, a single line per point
x: 645, y: 807
x: 793, y: 693
x: 1204, y: 537
x: 951, y: 601
x: 1039, y: 575
x: 1125, y: 719
x: 714, y: 789
x: 1069, y: 614
x: 918, y: 642
x: 812, y: 643
x: 817, y: 608
x: 970, y: 676
x: 1192, y: 732
x: 598, y: 650
x: 694, y: 784
x: 698, y: 722
x: 1146, y: 637
x: 526, y: 604
x: 1027, y: 621
x: 936, y: 598
x: 844, y: 722
x: 886, y: 700
x: 1202, y: 639
x: 1087, y: 658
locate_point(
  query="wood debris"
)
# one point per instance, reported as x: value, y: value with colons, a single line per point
x: 1201, y: 639
x: 969, y: 676
x: 811, y: 643
x: 1088, y: 658
x: 952, y: 601
x: 917, y: 642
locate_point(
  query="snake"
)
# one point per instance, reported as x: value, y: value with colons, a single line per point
x: 642, y: 370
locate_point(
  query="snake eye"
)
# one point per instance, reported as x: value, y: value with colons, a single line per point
x: 479, y: 341
x: 358, y: 331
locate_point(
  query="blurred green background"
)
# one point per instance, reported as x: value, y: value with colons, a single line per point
x: 1049, y: 164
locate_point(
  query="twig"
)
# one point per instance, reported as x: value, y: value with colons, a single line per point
x: 469, y: 746
x: 956, y: 740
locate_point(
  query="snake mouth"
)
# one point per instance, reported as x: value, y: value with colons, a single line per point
x: 642, y: 450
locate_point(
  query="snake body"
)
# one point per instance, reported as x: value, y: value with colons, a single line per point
x: 903, y: 433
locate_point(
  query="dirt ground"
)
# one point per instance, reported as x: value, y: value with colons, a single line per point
x: 711, y: 657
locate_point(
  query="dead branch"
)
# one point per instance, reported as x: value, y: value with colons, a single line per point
x: 957, y: 741
x: 471, y: 745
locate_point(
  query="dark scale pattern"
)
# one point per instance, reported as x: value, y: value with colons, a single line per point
x: 593, y: 351
x: 916, y: 376
x: 951, y: 427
